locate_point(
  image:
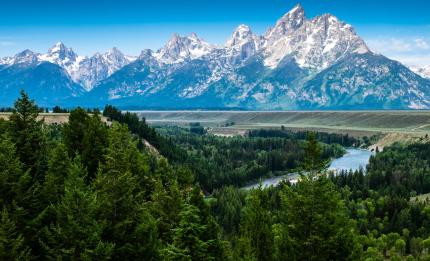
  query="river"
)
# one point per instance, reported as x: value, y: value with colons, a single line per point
x: 353, y: 159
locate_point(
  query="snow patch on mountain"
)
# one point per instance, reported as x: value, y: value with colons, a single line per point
x: 24, y: 57
x: 92, y: 70
x: 181, y: 48
x: 315, y: 44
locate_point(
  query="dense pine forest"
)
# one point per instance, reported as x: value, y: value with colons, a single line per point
x: 95, y: 190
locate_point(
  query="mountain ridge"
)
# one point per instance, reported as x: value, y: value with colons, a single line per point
x: 299, y: 63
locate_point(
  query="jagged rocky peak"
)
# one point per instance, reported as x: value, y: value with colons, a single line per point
x: 294, y: 18
x: 115, y: 52
x: 242, y: 34
x: 25, y: 56
x: 291, y: 21
x: 60, y: 51
x: 147, y: 56
x: 115, y: 56
x: 180, y: 48
x: 92, y: 70
x: 145, y: 53
x: 314, y: 43
x: 243, y: 43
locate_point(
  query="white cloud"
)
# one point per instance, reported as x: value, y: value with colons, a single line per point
x: 399, y: 45
x: 413, y: 51
x: 412, y: 60
x: 422, y: 44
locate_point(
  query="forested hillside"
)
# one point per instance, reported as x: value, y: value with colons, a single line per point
x: 87, y: 190
x: 220, y: 161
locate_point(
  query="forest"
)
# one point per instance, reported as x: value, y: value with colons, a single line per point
x: 94, y: 190
x: 220, y: 161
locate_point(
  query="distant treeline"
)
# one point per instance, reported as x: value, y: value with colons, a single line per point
x: 329, y: 138
x: 58, y: 109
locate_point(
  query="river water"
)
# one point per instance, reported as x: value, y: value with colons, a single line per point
x: 353, y: 159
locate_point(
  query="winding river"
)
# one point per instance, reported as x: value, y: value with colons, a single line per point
x: 353, y: 159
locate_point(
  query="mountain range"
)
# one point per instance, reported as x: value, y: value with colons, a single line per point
x: 299, y: 63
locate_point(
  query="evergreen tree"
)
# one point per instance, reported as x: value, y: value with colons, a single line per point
x: 94, y: 143
x: 77, y: 233
x: 211, y: 232
x: 313, y: 161
x: 256, y: 226
x: 58, y: 169
x: 87, y: 136
x: 187, y: 240
x: 27, y: 134
x: 12, y: 244
x: 74, y: 131
x: 166, y: 202
x: 122, y: 154
x: 228, y: 208
x: 13, y: 180
x: 283, y: 244
x: 317, y: 220
x: 121, y: 198
x: 121, y: 205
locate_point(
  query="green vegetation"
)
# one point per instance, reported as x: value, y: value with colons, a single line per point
x: 87, y: 190
x: 219, y: 161
x: 139, y: 127
x: 329, y: 138
x: 390, y: 224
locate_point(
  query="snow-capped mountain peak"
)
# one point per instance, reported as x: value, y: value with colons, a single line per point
x: 314, y: 43
x: 25, y: 56
x: 294, y: 18
x: 87, y: 71
x: 116, y: 59
x: 92, y: 70
x: 114, y: 53
x: 242, y: 34
x: 60, y: 54
x: 291, y: 21
x: 181, y: 48
x: 243, y: 43
x: 64, y: 57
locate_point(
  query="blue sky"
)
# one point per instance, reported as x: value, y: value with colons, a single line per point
x: 398, y: 29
